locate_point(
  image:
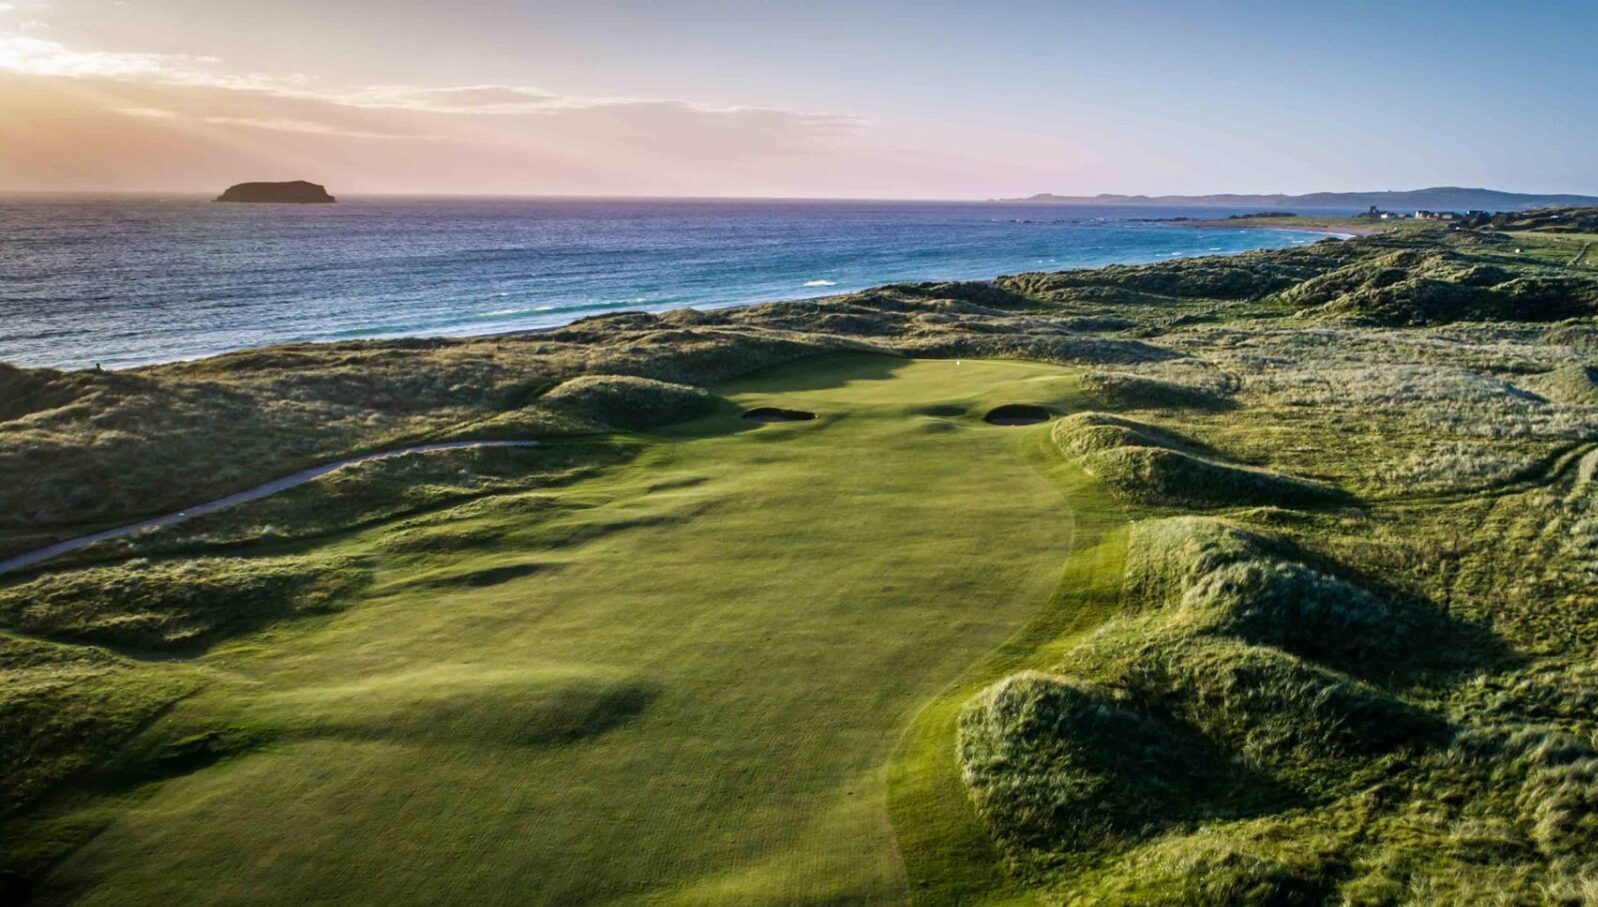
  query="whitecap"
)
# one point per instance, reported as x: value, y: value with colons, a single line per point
x: 821, y: 283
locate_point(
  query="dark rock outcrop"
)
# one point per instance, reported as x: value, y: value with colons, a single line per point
x: 297, y: 192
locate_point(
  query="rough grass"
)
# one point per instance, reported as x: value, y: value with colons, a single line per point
x: 370, y: 493
x: 1197, y: 712
x: 1294, y: 607
x: 1575, y: 383
x: 561, y: 654
x: 67, y: 709
x: 1160, y: 476
x: 1118, y: 390
x: 1420, y: 782
x: 286, y: 408
x: 1151, y: 466
x: 1234, y: 581
x: 1072, y: 767
x: 617, y: 724
x: 27, y: 391
x: 627, y: 403
x: 146, y: 605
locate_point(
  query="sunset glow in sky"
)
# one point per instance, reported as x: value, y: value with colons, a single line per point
x: 833, y: 99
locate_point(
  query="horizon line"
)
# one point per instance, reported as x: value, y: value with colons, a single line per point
x: 205, y: 193
x: 1079, y: 201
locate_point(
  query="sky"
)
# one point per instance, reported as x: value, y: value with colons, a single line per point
x: 890, y: 99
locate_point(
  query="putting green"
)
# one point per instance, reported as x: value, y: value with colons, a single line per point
x: 682, y: 682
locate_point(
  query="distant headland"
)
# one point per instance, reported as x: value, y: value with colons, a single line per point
x: 1441, y: 198
x: 296, y: 192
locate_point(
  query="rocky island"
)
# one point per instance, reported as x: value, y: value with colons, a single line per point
x: 295, y: 192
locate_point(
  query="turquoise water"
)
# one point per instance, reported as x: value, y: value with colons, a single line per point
x: 129, y: 281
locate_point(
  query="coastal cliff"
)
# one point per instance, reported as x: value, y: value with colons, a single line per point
x: 297, y: 192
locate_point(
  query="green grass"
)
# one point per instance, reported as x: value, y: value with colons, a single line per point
x: 948, y: 852
x: 1145, y: 464
x: 154, y: 606
x: 712, y: 662
x: 1128, y: 391
x: 692, y: 699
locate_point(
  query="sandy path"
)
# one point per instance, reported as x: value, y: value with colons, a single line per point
x: 252, y: 494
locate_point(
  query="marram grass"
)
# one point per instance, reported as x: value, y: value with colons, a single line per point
x: 1292, y: 604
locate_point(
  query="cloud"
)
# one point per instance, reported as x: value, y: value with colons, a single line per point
x: 84, y: 119
x: 44, y: 57
x: 154, y: 113
x: 464, y: 98
x: 37, y: 56
x: 287, y: 124
x: 90, y: 132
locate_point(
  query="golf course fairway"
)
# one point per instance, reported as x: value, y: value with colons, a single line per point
x: 687, y: 680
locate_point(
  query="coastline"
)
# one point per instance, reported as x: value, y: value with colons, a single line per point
x: 649, y: 462
x: 831, y: 296
x: 494, y: 294
x: 1341, y: 227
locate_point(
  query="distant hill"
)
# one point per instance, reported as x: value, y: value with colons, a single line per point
x: 1441, y: 198
x: 297, y: 192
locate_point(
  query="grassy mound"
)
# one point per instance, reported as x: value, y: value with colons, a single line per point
x: 1230, y: 865
x: 1418, y: 287
x: 627, y: 403
x: 1067, y: 764
x: 1296, y: 608
x: 1246, y: 276
x: 1223, y: 579
x: 1559, y: 793
x: 24, y: 391
x: 1568, y: 384
x: 1167, y: 558
x: 1123, y: 391
x: 1216, y: 698
x: 176, y: 605
x: 1154, y: 475
x: 1297, y: 720
x: 1083, y: 434
x: 1149, y: 465
x: 64, y: 709
x: 1180, y: 726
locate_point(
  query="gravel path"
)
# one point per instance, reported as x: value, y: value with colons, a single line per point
x: 252, y: 494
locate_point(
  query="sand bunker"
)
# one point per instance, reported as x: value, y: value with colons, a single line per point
x: 768, y: 414
x: 1017, y: 414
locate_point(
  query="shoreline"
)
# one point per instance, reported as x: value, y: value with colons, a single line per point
x: 469, y: 332
x: 1341, y: 229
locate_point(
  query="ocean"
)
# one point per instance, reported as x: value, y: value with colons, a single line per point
x: 125, y: 281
